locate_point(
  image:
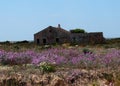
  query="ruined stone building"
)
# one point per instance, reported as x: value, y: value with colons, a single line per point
x: 53, y: 35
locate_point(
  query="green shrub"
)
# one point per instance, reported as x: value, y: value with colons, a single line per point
x: 85, y: 51
x: 77, y: 31
x: 108, y: 77
x: 15, y: 47
x: 47, y: 67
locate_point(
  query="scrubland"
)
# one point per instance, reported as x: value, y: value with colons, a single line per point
x: 27, y: 64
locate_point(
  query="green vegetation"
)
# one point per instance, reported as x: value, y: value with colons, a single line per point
x: 77, y: 30
x: 47, y: 67
x: 86, y: 50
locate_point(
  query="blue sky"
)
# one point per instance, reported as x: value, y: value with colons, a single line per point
x: 20, y: 19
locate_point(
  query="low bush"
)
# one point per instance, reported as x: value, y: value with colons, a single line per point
x: 86, y: 51
x: 77, y: 31
x: 46, y: 67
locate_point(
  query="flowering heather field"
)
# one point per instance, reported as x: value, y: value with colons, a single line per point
x: 96, y: 59
x: 64, y: 56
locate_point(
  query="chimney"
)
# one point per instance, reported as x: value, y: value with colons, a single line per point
x: 59, y: 26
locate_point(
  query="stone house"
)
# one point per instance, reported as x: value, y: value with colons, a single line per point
x: 53, y: 35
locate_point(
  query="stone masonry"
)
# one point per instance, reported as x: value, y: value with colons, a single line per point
x: 53, y: 35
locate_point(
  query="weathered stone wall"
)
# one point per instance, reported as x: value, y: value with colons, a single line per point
x: 79, y: 38
x: 96, y: 38
x: 87, y: 38
x: 52, y: 35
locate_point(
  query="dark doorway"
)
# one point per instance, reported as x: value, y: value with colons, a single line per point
x: 38, y: 41
x: 44, y: 41
x: 74, y: 39
x: 57, y: 40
